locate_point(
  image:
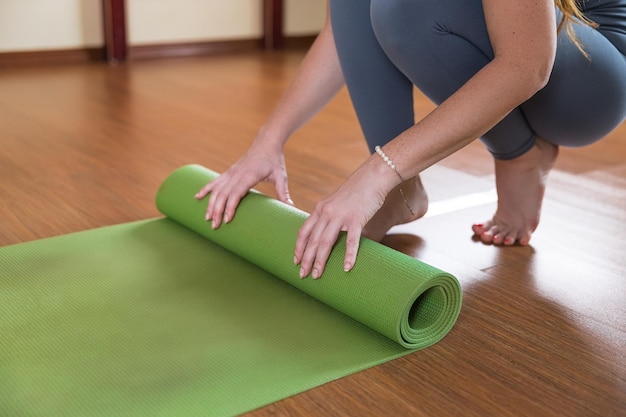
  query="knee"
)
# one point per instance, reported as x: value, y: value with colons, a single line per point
x: 585, y: 99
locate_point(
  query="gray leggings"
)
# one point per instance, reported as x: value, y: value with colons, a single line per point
x: 387, y: 46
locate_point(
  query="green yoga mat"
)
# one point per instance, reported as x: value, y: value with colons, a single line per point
x: 166, y: 317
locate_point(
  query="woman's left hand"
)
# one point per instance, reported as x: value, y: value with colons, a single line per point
x: 348, y: 209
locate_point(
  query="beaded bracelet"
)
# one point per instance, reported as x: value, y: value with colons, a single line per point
x: 391, y: 165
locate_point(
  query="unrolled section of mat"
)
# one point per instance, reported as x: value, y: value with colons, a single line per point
x: 152, y: 319
x: 408, y: 301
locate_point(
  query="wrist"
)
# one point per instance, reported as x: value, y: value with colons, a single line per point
x: 389, y: 162
x: 383, y: 177
x: 271, y: 137
x: 392, y: 167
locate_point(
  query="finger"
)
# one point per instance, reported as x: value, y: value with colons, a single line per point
x: 216, y: 212
x: 282, y: 189
x: 303, y: 238
x: 232, y: 202
x: 215, y: 209
x: 352, y: 247
x: 308, y: 243
x: 308, y: 253
x: 327, y: 239
x: 204, y: 191
x: 212, y: 190
x: 320, y: 243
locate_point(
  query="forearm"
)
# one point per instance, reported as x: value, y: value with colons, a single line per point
x: 317, y: 81
x: 466, y: 115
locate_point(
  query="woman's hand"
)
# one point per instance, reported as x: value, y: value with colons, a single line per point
x: 260, y: 163
x: 348, y: 209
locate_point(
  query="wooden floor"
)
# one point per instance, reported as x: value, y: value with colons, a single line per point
x: 543, y: 328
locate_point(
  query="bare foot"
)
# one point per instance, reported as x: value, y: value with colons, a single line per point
x: 395, y: 211
x: 520, y: 183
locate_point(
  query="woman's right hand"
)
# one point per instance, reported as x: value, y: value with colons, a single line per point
x: 260, y: 163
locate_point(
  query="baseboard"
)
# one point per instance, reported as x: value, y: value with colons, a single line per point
x: 139, y: 52
x: 209, y: 48
x: 52, y: 57
x: 176, y: 50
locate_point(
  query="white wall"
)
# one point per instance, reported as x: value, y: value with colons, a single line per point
x: 27, y: 25
x: 304, y: 17
x: 49, y: 24
x: 170, y: 21
x: 165, y: 21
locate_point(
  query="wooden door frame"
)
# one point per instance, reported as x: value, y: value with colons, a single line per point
x: 273, y: 30
x: 115, y: 43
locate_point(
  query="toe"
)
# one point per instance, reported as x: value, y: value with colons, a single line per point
x: 525, y: 239
x: 498, y: 238
x: 509, y: 241
x: 486, y: 237
x: 489, y: 234
x: 478, y: 229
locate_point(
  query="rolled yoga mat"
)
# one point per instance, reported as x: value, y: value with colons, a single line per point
x: 167, y: 317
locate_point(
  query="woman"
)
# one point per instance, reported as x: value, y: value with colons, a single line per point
x: 523, y: 76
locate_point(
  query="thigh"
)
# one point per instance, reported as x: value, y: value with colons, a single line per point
x: 440, y: 45
x: 585, y: 98
x: 381, y: 94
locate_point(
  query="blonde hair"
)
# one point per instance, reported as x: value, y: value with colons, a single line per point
x: 571, y: 13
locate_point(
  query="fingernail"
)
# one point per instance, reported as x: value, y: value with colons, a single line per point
x: 290, y: 201
x: 295, y: 260
x: 347, y: 267
x: 302, y: 273
x: 226, y: 218
x: 316, y: 273
x: 213, y: 225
